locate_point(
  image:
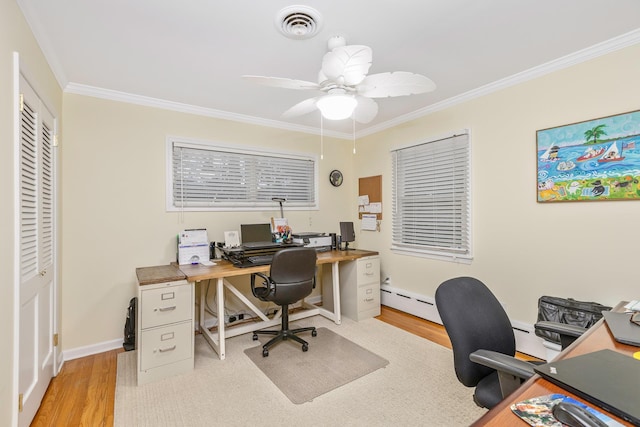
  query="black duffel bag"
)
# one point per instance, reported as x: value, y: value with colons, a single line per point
x: 568, y: 311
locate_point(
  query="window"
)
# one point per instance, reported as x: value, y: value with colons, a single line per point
x: 203, y: 176
x: 432, y: 199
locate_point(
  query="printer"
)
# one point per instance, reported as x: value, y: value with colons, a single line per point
x: 313, y: 240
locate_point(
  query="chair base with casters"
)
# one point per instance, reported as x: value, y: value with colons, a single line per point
x: 284, y: 334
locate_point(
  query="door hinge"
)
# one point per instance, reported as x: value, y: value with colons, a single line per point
x: 55, y: 140
x: 20, y: 407
x: 55, y: 340
x: 21, y: 102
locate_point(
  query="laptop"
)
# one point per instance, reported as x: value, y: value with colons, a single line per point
x: 606, y: 378
x: 622, y: 329
x: 257, y: 236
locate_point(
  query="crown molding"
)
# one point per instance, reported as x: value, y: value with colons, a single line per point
x: 597, y: 50
x: 575, y: 58
x: 113, y: 95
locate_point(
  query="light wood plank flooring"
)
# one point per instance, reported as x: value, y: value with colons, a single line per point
x: 83, y: 392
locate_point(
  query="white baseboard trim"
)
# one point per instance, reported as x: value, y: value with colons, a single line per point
x: 425, y: 307
x: 76, y: 353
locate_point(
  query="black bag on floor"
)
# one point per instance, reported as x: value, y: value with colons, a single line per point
x: 568, y: 311
x: 130, y: 326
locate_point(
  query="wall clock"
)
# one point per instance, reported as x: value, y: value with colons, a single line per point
x: 335, y: 177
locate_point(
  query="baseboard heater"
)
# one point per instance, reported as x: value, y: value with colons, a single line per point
x: 415, y: 304
x: 425, y: 307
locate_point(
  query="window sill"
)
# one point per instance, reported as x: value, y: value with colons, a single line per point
x: 439, y: 256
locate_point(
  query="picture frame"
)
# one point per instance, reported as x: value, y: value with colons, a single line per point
x: 597, y: 159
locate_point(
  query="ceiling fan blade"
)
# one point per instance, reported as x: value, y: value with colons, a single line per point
x: 282, y: 82
x: 301, y: 108
x: 347, y: 65
x: 366, y: 110
x: 396, y: 83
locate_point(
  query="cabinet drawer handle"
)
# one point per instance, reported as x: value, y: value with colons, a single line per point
x: 164, y: 350
x: 173, y: 307
x: 368, y: 299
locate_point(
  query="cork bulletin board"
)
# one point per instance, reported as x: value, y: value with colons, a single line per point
x: 371, y: 186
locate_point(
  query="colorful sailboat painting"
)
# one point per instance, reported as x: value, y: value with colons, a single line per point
x: 612, y: 154
x: 596, y: 159
x: 590, y: 153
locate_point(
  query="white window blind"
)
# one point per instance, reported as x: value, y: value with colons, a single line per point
x: 208, y: 177
x: 432, y: 198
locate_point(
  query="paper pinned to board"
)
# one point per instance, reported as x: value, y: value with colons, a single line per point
x: 369, y: 222
x: 363, y: 200
x: 375, y: 207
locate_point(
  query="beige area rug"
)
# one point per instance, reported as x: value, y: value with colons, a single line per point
x: 332, y: 361
x: 417, y: 388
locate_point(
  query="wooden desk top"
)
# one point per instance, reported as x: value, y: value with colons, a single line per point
x: 224, y: 268
x: 598, y: 337
x: 159, y: 274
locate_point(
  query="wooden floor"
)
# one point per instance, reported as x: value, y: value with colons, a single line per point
x: 83, y: 393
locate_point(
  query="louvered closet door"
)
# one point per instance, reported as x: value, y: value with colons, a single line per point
x: 37, y: 289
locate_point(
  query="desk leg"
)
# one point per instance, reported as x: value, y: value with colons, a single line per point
x: 216, y: 341
x: 335, y: 276
x: 220, y: 295
x: 203, y: 304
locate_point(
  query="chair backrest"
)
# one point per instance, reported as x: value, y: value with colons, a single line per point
x: 293, y: 271
x: 474, y: 319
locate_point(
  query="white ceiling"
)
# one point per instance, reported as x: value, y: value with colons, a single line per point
x: 190, y: 55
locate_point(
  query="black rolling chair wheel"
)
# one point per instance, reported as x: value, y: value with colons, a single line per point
x: 305, y: 347
x: 265, y: 352
x: 314, y: 333
x: 255, y: 337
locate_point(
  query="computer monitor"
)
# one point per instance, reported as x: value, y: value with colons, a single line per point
x: 347, y: 234
x: 255, y: 233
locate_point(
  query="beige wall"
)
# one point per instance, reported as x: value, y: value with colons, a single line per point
x: 114, y: 198
x: 15, y: 36
x: 113, y: 195
x: 585, y: 250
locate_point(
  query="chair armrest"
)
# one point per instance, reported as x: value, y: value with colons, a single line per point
x: 511, y: 371
x: 503, y: 363
x: 267, y: 281
x: 560, y: 328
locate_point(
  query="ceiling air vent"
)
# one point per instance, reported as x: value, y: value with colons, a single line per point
x: 299, y: 22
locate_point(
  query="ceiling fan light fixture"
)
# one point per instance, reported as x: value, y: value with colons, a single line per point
x: 337, y: 106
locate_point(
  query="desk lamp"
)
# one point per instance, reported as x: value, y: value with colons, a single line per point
x: 280, y: 200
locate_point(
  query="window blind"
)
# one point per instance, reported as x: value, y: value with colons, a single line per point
x: 214, y: 177
x: 431, y: 197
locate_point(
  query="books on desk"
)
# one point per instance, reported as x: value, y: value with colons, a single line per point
x: 537, y: 411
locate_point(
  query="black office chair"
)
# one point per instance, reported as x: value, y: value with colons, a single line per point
x: 482, y: 340
x: 291, y: 278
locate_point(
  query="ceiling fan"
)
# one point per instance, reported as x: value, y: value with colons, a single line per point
x: 348, y: 90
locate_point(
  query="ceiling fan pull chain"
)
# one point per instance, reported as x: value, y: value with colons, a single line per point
x: 321, y: 139
x: 354, y: 135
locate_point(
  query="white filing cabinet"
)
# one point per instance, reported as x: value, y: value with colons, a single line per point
x: 360, y: 288
x: 165, y: 324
